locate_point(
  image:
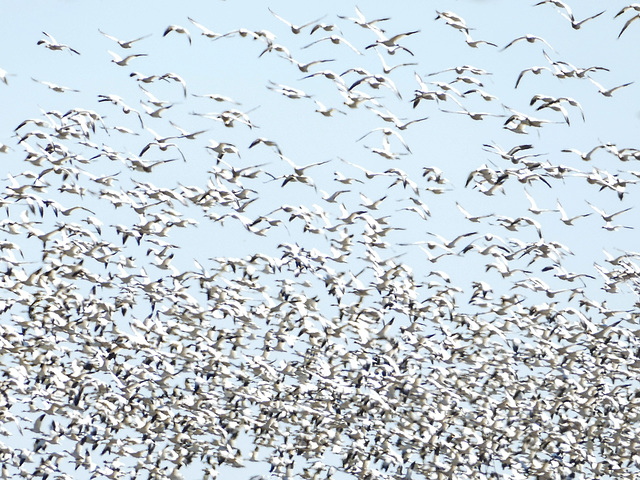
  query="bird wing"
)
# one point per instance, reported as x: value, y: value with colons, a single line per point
x: 116, y: 57
x: 204, y: 29
x: 316, y: 41
x: 619, y: 87
x: 621, y: 211
x: 591, y: 17
x: 280, y: 18
x: 110, y: 37
x: 138, y: 39
x: 512, y: 42
x: 53, y: 40
x: 635, y: 17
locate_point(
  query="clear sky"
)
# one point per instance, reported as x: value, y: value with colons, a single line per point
x: 251, y: 69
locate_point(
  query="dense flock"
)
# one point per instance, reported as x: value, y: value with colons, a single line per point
x: 327, y: 250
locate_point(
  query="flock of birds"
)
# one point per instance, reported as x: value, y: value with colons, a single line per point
x: 375, y: 325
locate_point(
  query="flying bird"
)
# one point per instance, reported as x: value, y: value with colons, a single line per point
x: 529, y: 38
x: 122, y: 43
x: 4, y: 75
x: 217, y: 98
x: 336, y: 40
x: 52, y: 44
x: 634, y: 6
x: 534, y: 70
x: 576, y: 25
x: 118, y: 60
x: 54, y: 87
x: 608, y: 217
x: 177, y: 29
x: 295, y: 29
x: 304, y: 67
x: 327, y: 112
x: 609, y: 92
x: 390, y: 43
x: 476, y: 43
x: 566, y: 219
x: 205, y: 31
x: 176, y: 78
x: 363, y: 22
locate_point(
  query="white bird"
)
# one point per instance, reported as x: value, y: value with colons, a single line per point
x: 152, y: 98
x: 53, y: 44
x: 487, y: 97
x: 534, y: 70
x: 534, y: 208
x: 608, y: 217
x: 556, y: 3
x: 122, y: 43
x: 376, y: 81
x: 362, y: 21
x: 474, y: 115
x: 304, y: 67
x: 54, y: 87
x: 387, y: 132
x: 529, y: 38
x: 299, y: 171
x: 336, y: 40
x: 453, y: 20
x: 186, y: 134
x: 333, y: 197
x: 584, y: 156
x: 385, y: 151
x: 217, y: 98
x: 576, y: 25
x: 295, y: 29
x: 155, y: 112
x: 4, y: 75
x: 390, y: 43
x: 476, y: 43
x: 118, y: 60
x: 472, y: 218
x: 386, y: 68
x: 176, y: 78
x: 267, y: 142
x: 205, y: 31
x: 144, y: 78
x: 290, y: 92
x: 609, y: 92
x: 327, y: 112
x: 634, y: 6
x: 324, y: 26
x: 222, y: 148
x: 163, y: 146
x: 565, y: 218
x: 449, y: 244
x: 370, y: 204
x: 556, y: 104
x: 177, y: 29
